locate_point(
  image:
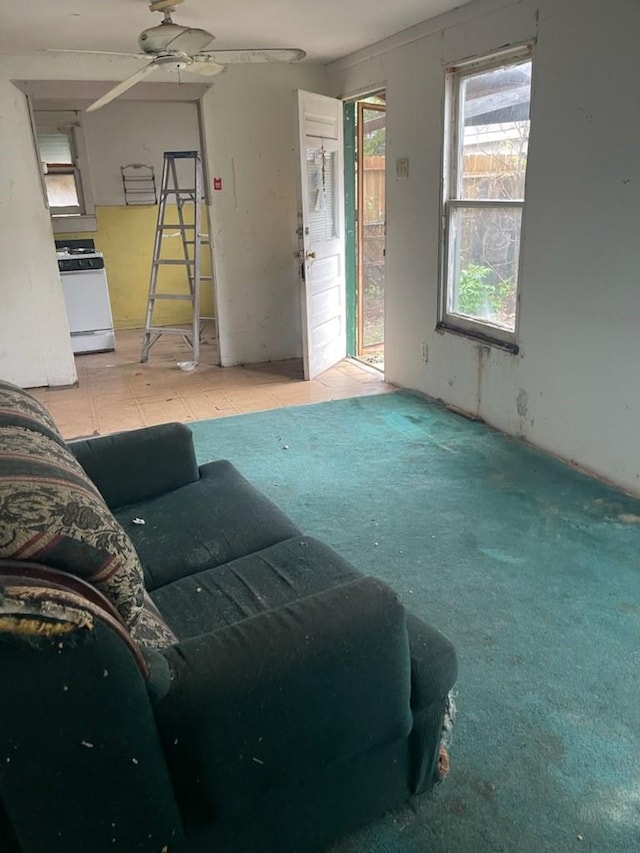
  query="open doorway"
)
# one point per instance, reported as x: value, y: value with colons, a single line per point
x: 104, y: 200
x: 365, y: 199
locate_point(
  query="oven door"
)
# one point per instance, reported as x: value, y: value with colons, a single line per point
x: 86, y: 297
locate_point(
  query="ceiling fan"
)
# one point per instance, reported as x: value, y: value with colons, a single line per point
x: 174, y: 47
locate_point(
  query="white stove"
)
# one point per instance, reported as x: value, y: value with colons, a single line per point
x: 86, y: 296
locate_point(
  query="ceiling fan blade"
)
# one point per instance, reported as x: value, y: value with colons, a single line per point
x: 118, y: 90
x: 260, y: 54
x: 205, y: 66
x: 95, y: 52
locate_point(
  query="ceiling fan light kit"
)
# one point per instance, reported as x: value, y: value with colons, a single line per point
x: 161, y: 5
x: 174, y: 47
x: 170, y: 36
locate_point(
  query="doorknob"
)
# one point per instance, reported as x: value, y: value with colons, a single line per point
x: 310, y: 256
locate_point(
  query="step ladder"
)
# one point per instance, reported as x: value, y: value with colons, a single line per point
x: 188, y: 200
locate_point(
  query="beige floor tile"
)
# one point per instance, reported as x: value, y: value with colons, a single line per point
x: 250, y: 393
x: 258, y: 405
x: 70, y: 410
x: 159, y: 412
x: 202, y: 408
x: 79, y: 427
x: 116, y: 392
x: 118, y: 418
x: 218, y: 399
x: 297, y: 396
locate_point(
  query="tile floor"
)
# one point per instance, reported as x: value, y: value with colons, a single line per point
x: 116, y: 392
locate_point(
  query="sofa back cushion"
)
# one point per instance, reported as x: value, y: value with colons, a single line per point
x: 51, y: 512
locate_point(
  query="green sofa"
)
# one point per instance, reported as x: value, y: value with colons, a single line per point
x: 181, y: 668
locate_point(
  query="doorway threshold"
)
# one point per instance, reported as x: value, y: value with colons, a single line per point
x: 373, y: 368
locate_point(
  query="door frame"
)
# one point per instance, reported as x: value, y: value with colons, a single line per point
x: 350, y: 207
x: 353, y: 203
x: 362, y: 105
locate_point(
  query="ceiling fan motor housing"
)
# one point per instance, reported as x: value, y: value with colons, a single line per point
x: 172, y: 37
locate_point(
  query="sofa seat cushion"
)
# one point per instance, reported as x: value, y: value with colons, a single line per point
x: 256, y: 583
x: 51, y: 513
x: 201, y: 525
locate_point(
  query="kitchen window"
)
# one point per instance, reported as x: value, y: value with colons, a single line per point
x: 487, y: 122
x: 61, y: 173
x: 65, y: 169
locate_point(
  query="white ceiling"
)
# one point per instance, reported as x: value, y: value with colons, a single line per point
x: 326, y: 29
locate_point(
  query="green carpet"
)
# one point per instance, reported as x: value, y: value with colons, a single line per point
x: 531, y: 569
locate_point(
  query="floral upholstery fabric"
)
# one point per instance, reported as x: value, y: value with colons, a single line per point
x: 151, y: 631
x: 19, y: 408
x: 51, y: 513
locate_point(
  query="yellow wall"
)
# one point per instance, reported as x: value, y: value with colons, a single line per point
x: 125, y: 236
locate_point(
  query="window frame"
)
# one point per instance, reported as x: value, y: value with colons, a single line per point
x: 452, y: 199
x: 66, y: 169
x: 48, y: 120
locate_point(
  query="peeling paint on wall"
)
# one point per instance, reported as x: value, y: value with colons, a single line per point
x: 522, y: 403
x: 484, y: 353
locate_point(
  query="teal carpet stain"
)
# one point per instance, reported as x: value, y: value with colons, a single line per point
x: 496, y: 554
x: 530, y: 568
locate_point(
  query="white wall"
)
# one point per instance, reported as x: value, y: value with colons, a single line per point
x: 35, y: 347
x: 250, y: 130
x: 135, y: 132
x: 574, y: 388
x: 126, y: 132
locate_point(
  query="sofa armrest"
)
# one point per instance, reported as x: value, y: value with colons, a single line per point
x: 275, y: 698
x: 434, y: 669
x: 139, y: 464
x: 434, y: 664
x: 83, y: 768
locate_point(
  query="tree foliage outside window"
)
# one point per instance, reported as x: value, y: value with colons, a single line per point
x: 479, y: 295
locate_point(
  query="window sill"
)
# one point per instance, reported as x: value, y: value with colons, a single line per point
x: 71, y: 224
x: 473, y: 335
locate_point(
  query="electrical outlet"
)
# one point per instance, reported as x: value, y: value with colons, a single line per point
x: 402, y: 167
x: 424, y: 352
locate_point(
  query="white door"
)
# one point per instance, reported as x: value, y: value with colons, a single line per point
x: 322, y: 244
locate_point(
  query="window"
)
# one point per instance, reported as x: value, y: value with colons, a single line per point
x: 61, y: 174
x: 487, y: 125
x: 65, y: 169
